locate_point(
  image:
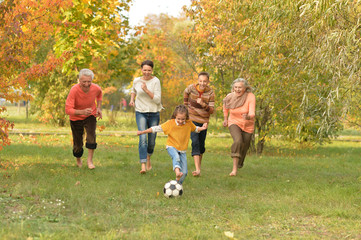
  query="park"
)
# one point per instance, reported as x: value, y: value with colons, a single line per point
x: 302, y: 175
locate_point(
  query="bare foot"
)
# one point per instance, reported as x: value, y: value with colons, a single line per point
x: 178, y: 176
x: 149, y: 166
x: 196, y: 173
x: 91, y: 166
x: 232, y: 174
x: 79, y: 162
x: 142, y: 171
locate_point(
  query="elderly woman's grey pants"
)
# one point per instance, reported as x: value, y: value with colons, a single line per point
x: 241, y: 142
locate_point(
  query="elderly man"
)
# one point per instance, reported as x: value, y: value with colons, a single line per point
x: 82, y: 110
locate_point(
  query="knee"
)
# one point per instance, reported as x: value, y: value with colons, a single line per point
x: 78, y: 153
x: 238, y: 142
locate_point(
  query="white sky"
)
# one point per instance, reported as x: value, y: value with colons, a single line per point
x: 141, y: 8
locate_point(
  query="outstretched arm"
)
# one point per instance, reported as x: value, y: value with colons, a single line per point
x: 151, y: 130
x: 204, y: 127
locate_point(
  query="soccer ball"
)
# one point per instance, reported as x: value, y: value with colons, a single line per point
x: 172, y: 189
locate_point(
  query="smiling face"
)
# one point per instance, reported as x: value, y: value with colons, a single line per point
x: 147, y: 72
x: 181, y: 118
x: 85, y: 82
x: 239, y: 88
x: 203, y: 82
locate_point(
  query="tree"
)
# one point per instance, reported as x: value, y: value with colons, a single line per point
x: 90, y: 32
x: 157, y: 44
x: 291, y: 55
x: 23, y: 25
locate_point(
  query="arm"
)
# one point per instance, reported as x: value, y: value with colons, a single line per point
x: 225, y: 116
x: 209, y: 107
x: 70, y: 106
x: 156, y: 94
x: 186, y: 97
x: 204, y: 127
x: 151, y: 130
x: 99, y: 109
x: 146, y: 90
x: 132, y: 97
x: 252, y: 107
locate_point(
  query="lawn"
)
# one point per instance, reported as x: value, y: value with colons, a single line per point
x: 287, y: 193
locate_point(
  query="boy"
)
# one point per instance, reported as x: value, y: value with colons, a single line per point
x: 199, y: 98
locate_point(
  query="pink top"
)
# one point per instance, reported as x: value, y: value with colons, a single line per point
x: 78, y: 100
x: 235, y: 115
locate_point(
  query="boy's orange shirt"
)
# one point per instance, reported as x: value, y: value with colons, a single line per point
x: 178, y: 135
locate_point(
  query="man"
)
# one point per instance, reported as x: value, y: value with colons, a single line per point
x: 82, y: 110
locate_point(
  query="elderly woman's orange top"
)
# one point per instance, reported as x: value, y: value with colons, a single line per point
x: 235, y: 115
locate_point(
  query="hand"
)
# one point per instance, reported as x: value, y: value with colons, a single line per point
x: 200, y: 102
x: 131, y: 103
x: 144, y: 87
x: 225, y: 123
x: 139, y: 133
x: 205, y: 125
x: 99, y: 113
x: 245, y: 116
x: 87, y: 111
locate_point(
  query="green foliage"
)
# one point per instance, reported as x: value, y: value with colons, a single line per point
x: 50, y: 98
x: 300, y: 57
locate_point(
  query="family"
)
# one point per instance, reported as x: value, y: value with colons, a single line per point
x: 188, y: 121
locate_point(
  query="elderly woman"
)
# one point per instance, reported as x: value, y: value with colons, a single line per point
x: 146, y: 92
x: 239, y: 115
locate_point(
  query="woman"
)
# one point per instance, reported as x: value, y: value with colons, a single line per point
x: 146, y: 91
x: 240, y: 104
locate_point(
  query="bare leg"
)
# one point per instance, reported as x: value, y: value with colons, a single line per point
x: 143, y: 171
x: 149, y: 165
x: 90, y: 159
x: 178, y: 174
x: 235, y: 166
x: 79, y: 162
x: 197, y: 164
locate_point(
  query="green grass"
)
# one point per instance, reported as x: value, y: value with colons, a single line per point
x: 287, y: 193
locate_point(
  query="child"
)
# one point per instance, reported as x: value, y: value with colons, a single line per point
x: 178, y: 129
x: 199, y: 98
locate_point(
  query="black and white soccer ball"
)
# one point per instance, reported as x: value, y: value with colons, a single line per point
x: 172, y: 189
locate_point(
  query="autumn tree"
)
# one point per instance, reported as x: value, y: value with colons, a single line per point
x: 90, y: 32
x: 158, y: 44
x: 23, y: 26
x: 289, y: 53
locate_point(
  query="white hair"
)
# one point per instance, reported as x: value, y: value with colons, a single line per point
x: 86, y: 72
x: 242, y: 80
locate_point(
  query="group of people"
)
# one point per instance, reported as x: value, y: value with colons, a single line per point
x: 188, y: 121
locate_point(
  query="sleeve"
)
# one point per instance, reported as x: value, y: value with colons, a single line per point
x: 100, y: 95
x: 252, y: 105
x: 70, y: 103
x: 193, y: 127
x: 156, y: 129
x: 133, y: 87
x: 186, y: 97
x: 157, y: 92
x: 166, y: 127
x: 225, y: 111
x: 210, y: 106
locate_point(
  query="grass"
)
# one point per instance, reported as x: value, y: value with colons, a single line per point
x: 287, y: 193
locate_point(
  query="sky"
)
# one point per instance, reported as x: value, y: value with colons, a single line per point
x: 141, y: 8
